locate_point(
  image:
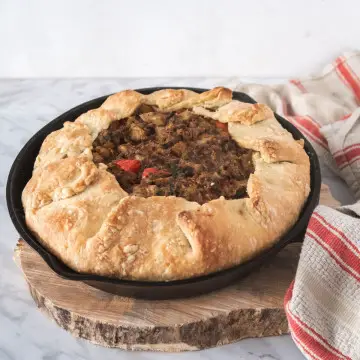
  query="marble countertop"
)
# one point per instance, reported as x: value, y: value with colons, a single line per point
x: 25, y: 333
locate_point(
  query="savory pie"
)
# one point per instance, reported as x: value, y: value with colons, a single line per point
x: 166, y: 186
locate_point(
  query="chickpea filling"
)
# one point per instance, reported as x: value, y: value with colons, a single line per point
x: 174, y: 154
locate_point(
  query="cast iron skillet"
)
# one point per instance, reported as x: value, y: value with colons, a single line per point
x: 21, y: 171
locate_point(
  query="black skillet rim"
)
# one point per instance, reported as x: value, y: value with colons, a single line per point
x: 140, y: 288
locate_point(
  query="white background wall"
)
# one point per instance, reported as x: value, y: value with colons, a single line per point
x: 93, y: 38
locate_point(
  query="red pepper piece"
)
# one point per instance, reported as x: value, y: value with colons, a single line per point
x: 128, y: 165
x: 149, y: 171
x: 222, y: 126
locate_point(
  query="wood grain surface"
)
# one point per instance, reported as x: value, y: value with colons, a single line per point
x: 251, y: 307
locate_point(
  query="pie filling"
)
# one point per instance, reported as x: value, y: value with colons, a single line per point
x: 174, y: 153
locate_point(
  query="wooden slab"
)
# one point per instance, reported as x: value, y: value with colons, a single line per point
x: 252, y: 307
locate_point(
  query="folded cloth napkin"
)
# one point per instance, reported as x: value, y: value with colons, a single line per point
x: 323, y: 302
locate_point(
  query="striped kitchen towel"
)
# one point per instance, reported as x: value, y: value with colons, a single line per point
x: 323, y: 302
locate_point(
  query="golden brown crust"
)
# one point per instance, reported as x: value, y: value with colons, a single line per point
x: 269, y: 138
x: 228, y: 232
x: 58, y: 180
x: 238, y: 112
x: 167, y: 98
x: 142, y: 236
x: 97, y: 120
x: 71, y: 141
x: 83, y: 216
x: 123, y: 104
x: 65, y: 226
x: 171, y: 100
